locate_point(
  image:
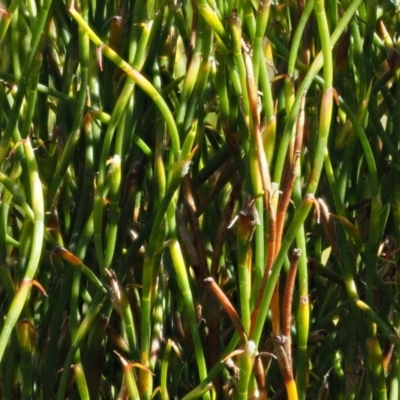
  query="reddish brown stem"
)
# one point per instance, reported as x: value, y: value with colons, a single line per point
x: 288, y: 183
x: 288, y: 296
x: 233, y: 315
x: 284, y: 360
x: 259, y: 374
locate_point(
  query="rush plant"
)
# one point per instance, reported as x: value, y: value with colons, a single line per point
x: 199, y: 199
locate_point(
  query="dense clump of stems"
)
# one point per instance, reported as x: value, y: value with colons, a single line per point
x: 199, y: 199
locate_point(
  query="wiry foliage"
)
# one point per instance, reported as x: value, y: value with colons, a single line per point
x: 199, y: 199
